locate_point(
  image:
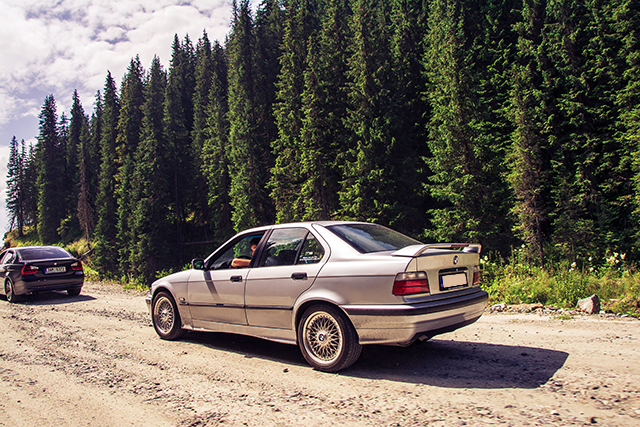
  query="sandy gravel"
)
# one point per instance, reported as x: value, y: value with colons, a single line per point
x: 96, y: 360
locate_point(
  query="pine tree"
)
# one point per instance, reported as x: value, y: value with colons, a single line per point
x: 15, y: 185
x: 528, y: 168
x: 286, y: 180
x: 215, y: 167
x: 466, y: 164
x: 77, y: 125
x: 85, y: 208
x: 247, y: 193
x: 50, y: 173
x: 368, y: 191
x: 324, y: 102
x: 106, y: 252
x: 89, y: 165
x: 178, y: 122
x: 204, y: 79
x: 624, y: 16
x: 152, y: 184
x: 127, y: 141
x: 30, y: 187
x: 585, y: 175
x: 408, y: 128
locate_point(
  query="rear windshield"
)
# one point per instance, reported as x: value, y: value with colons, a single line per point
x: 34, y: 254
x: 367, y: 238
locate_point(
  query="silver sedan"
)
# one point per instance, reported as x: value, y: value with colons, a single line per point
x: 327, y: 286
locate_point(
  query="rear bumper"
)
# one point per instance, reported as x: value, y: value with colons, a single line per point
x: 402, y: 324
x: 48, y: 284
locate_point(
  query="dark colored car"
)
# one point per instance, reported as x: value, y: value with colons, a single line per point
x: 30, y: 269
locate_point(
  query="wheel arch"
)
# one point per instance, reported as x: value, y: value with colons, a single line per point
x: 302, y: 308
x: 183, y: 309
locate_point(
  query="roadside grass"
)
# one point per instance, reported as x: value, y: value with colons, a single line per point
x: 510, y: 281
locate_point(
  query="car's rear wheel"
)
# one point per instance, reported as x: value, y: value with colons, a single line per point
x: 327, y: 339
x: 10, y: 292
x: 165, y: 317
x: 74, y: 292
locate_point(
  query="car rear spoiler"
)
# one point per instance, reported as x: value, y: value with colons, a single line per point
x: 417, y: 250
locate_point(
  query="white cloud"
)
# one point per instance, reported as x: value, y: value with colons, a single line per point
x: 73, y: 43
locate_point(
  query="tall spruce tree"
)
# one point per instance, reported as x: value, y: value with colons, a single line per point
x: 127, y: 141
x: 85, y: 208
x: 50, y: 174
x: 152, y: 225
x: 247, y: 193
x: 466, y: 164
x: 584, y: 138
x: 77, y: 125
x: 215, y: 166
x: 286, y: 180
x: 178, y: 122
x: 324, y: 137
x: 529, y: 152
x: 204, y: 79
x: 89, y: 165
x: 624, y: 16
x: 408, y: 129
x: 15, y: 199
x: 368, y: 189
x: 106, y: 250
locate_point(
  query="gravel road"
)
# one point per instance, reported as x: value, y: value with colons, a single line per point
x: 96, y: 360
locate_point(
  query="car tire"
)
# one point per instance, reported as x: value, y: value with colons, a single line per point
x: 9, y: 291
x: 74, y: 292
x: 327, y: 339
x: 165, y: 317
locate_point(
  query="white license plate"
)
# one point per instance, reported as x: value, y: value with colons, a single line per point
x: 449, y: 281
x: 50, y: 270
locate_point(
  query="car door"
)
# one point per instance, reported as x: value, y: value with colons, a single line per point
x: 216, y: 294
x: 289, y: 263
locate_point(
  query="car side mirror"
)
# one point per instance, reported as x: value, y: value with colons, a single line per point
x: 197, y: 264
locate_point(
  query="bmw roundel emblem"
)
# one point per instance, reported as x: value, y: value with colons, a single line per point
x: 455, y: 260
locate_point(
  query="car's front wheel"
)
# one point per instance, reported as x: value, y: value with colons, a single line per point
x: 165, y: 317
x: 327, y: 339
x: 10, y: 291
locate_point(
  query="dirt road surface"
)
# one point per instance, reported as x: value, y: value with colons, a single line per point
x: 95, y: 360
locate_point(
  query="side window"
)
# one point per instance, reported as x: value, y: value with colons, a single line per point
x: 241, y: 249
x: 283, y: 247
x: 6, y: 258
x: 312, y: 251
x: 290, y: 246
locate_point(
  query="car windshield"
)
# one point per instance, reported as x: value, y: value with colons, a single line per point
x: 367, y: 238
x: 33, y: 254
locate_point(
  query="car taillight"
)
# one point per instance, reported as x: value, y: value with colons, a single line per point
x: 29, y: 269
x: 76, y: 266
x: 477, y: 274
x: 414, y: 282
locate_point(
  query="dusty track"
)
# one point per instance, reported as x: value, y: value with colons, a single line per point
x: 96, y: 360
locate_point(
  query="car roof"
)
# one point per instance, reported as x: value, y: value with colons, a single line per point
x: 324, y: 223
x: 19, y: 248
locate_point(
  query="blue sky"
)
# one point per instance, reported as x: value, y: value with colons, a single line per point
x: 56, y: 46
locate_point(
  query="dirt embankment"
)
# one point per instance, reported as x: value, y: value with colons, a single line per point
x: 96, y: 360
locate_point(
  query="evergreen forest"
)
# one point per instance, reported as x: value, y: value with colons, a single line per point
x: 512, y: 123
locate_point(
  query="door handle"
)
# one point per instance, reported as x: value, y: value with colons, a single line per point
x: 299, y: 276
x: 236, y: 278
